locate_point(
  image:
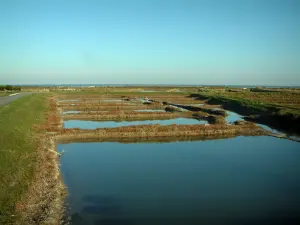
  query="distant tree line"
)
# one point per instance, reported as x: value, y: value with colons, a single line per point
x: 9, y: 88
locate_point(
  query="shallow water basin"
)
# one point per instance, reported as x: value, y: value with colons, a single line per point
x: 243, y: 180
x: 68, y: 100
x: 71, y: 112
x: 85, y: 124
x: 150, y: 110
x: 232, y: 117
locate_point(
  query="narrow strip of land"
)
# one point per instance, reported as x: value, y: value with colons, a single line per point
x: 18, y: 151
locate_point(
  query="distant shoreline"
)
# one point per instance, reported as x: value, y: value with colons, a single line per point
x: 156, y: 85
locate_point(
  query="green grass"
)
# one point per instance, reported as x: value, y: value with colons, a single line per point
x: 263, y: 102
x: 286, y: 98
x: 18, y: 150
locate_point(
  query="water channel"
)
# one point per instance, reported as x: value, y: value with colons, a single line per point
x: 86, y: 124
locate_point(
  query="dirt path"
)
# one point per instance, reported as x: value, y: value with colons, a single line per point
x: 8, y: 99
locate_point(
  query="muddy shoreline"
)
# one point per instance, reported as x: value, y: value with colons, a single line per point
x: 267, y: 115
x: 44, y: 201
x: 122, y: 115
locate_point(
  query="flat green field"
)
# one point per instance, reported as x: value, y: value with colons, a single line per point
x: 18, y: 150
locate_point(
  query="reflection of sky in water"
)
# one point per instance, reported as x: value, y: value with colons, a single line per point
x: 233, y: 180
x: 184, y: 110
x: 85, y: 124
x: 69, y: 100
x: 269, y: 128
x: 200, y: 104
x: 295, y: 137
x: 150, y: 110
x: 70, y: 112
x: 232, y: 117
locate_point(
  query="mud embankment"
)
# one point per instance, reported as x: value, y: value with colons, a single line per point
x: 154, y: 131
x: 212, y: 119
x: 162, y: 139
x: 121, y: 115
x: 160, y: 99
x: 287, y: 123
x: 80, y: 104
x: 101, y: 107
x: 44, y: 202
x: 265, y: 114
x: 202, y: 109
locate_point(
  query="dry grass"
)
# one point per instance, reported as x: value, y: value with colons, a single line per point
x: 30, y: 187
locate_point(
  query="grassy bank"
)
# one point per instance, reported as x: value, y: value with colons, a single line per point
x: 18, y: 154
x: 278, y: 109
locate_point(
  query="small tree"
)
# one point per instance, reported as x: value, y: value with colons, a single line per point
x: 9, y: 87
x: 17, y: 88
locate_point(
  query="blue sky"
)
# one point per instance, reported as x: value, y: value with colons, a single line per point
x: 158, y: 42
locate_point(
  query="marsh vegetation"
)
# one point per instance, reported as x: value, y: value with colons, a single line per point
x: 120, y: 116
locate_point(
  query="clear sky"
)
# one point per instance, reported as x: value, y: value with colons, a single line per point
x: 157, y: 42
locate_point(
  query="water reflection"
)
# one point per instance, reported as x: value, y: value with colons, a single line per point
x: 244, y: 180
x: 105, y: 205
x: 150, y: 110
x: 86, y: 124
x: 70, y: 112
x: 269, y: 128
x: 113, y: 221
x: 232, y: 117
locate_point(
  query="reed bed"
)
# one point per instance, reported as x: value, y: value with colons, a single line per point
x: 118, y: 115
x: 161, y: 131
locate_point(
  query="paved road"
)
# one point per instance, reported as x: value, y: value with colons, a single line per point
x: 8, y: 99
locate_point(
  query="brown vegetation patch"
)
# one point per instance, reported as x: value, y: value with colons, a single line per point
x: 119, y: 115
x: 99, y: 107
x: 153, y: 131
x: 44, y: 201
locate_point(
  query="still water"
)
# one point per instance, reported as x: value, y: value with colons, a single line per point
x: 232, y: 117
x: 150, y: 110
x: 69, y: 100
x: 243, y: 180
x: 70, y: 112
x: 87, y: 124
